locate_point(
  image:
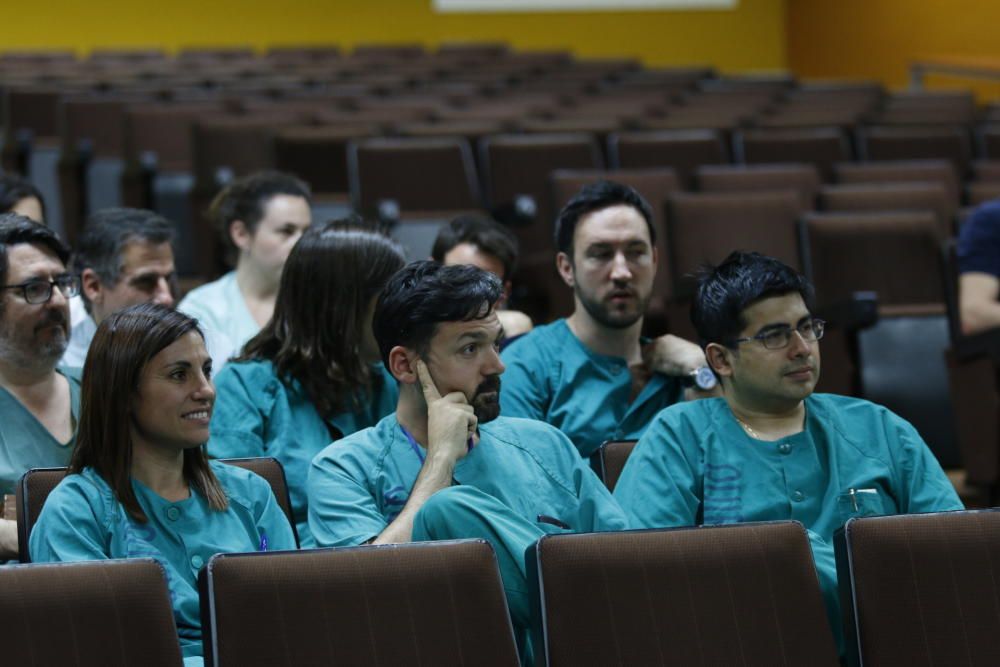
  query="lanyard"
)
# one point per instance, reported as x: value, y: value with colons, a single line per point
x: 416, y: 446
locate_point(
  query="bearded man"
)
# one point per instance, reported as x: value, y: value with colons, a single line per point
x: 445, y: 465
x: 592, y: 375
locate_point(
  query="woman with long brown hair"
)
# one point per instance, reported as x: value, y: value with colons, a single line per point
x: 140, y: 483
x: 313, y: 374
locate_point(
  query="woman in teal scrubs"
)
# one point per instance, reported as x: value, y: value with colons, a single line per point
x: 140, y: 483
x: 313, y: 374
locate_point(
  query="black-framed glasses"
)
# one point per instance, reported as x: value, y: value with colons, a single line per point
x: 40, y: 291
x: 810, y: 329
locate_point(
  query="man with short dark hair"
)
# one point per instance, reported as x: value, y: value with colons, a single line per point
x: 769, y: 448
x: 592, y: 375
x: 479, y: 241
x: 445, y: 465
x: 123, y: 258
x: 39, y: 403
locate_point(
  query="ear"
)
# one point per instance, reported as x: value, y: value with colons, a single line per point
x: 401, y: 365
x: 91, y: 286
x: 719, y: 357
x: 240, y: 234
x: 565, y: 267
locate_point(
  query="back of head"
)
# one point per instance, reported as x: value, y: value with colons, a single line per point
x: 13, y: 189
x: 489, y: 236
x: 425, y: 294
x: 123, y: 345
x: 726, y: 290
x: 321, y: 313
x: 15, y: 229
x: 246, y: 199
x: 597, y: 197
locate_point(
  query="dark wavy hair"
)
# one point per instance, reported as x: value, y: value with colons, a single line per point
x: 489, y: 236
x: 13, y: 189
x: 741, y: 280
x: 425, y: 294
x: 320, y: 315
x: 596, y: 197
x: 124, y: 343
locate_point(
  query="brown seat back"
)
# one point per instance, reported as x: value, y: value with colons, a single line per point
x: 428, y: 603
x: 729, y: 595
x: 111, y: 613
x: 922, y: 589
x: 802, y: 179
x: 274, y: 473
x: 612, y: 457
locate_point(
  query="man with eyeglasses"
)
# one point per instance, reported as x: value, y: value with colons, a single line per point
x: 39, y: 402
x: 124, y: 257
x: 769, y: 448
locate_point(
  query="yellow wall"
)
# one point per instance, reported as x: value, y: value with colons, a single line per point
x: 750, y: 37
x: 877, y: 39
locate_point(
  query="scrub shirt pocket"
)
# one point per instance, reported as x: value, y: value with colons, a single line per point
x: 859, y: 503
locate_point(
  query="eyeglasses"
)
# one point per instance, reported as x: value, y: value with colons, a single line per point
x: 40, y: 291
x: 811, y: 331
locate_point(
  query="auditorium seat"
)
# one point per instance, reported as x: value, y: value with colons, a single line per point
x: 820, y: 146
x: 681, y: 150
x: 921, y: 589
x: 905, y: 196
x: 110, y: 613
x: 900, y: 358
x: 610, y: 459
x: 988, y: 138
x: 742, y: 594
x: 706, y: 227
x: 916, y: 143
x: 35, y: 486
x: 980, y: 192
x: 318, y: 155
x: 803, y: 179
x: 893, y: 171
x: 426, y: 603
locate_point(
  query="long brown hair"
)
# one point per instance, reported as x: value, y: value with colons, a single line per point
x: 123, y: 345
x: 320, y: 316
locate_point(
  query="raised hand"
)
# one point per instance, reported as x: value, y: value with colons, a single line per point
x: 450, y: 419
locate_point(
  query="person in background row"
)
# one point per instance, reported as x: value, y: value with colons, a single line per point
x: 591, y: 375
x: 311, y: 376
x: 260, y: 218
x: 39, y: 401
x: 769, y: 448
x: 979, y: 270
x: 124, y: 257
x: 20, y: 196
x: 140, y: 484
x: 445, y: 465
x: 479, y: 241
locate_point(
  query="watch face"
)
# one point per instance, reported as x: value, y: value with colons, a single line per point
x: 705, y: 379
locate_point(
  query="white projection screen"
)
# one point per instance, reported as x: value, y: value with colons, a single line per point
x: 518, y: 6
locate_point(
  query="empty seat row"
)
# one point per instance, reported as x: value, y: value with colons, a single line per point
x: 738, y: 594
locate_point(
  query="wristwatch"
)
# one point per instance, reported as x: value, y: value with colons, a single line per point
x: 703, y: 378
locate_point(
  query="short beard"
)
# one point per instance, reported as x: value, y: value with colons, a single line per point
x: 486, y: 408
x: 603, y: 316
x: 42, y: 355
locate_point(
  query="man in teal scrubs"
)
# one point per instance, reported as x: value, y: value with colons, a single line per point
x: 769, y: 448
x: 39, y: 402
x: 591, y: 375
x: 445, y: 465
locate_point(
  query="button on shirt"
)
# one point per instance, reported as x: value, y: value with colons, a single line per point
x: 551, y: 376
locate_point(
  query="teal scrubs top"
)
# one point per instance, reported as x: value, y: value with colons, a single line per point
x: 82, y: 520
x: 25, y: 443
x: 359, y: 485
x: 257, y: 414
x: 696, y: 465
x: 551, y: 376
